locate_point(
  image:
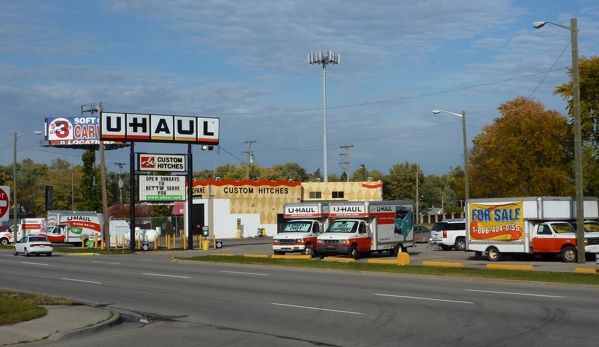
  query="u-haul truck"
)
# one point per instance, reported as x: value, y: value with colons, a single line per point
x: 359, y: 228
x: 73, y: 226
x: 306, y: 222
x: 25, y: 227
x: 526, y: 226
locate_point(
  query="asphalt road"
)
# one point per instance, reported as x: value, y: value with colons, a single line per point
x: 191, y: 304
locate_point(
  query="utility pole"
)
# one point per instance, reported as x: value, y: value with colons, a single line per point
x: 121, y: 182
x: 346, y: 162
x: 250, y: 158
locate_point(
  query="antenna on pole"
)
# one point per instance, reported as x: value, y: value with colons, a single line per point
x: 331, y: 58
x: 345, y: 164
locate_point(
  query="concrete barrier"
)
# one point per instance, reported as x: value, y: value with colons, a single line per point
x: 585, y: 270
x: 293, y: 256
x: 510, y: 267
x: 442, y: 264
x: 347, y: 260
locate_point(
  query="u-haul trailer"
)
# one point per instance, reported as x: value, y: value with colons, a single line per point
x: 359, y: 228
x: 305, y: 222
x: 523, y: 227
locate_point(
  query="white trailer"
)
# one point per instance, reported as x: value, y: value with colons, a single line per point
x: 305, y: 222
x: 526, y: 226
x: 359, y: 228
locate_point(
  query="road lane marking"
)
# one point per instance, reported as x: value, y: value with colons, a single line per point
x: 246, y: 273
x: 105, y: 262
x: 316, y: 308
x: 26, y: 262
x: 430, y: 299
x: 74, y: 280
x: 161, y: 275
x: 508, y: 293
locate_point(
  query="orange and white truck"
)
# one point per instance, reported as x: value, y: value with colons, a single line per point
x: 73, y: 226
x: 26, y: 226
x: 524, y: 227
x: 305, y: 222
x: 359, y: 228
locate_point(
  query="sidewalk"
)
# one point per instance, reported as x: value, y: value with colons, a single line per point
x: 61, y: 322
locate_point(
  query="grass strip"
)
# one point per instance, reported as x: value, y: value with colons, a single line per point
x: 516, y: 275
x: 16, y: 307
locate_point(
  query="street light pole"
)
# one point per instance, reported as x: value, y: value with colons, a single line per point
x: 577, y: 136
x: 463, y: 116
x: 318, y: 58
x: 14, y: 181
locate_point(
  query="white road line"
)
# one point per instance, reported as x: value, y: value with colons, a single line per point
x: 430, y: 299
x: 246, y: 273
x: 74, y: 280
x: 316, y: 308
x: 105, y: 262
x: 508, y: 293
x: 26, y: 262
x: 161, y: 275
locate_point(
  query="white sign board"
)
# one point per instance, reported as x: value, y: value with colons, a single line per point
x: 161, y: 188
x: 4, y: 202
x: 162, y: 162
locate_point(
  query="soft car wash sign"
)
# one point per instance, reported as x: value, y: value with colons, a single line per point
x: 73, y: 131
x: 161, y: 188
x: 161, y: 162
x: 162, y: 128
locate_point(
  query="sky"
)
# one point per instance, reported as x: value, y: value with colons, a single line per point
x: 245, y: 62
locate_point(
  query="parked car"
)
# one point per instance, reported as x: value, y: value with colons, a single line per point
x: 33, y: 244
x: 449, y: 233
x: 421, y: 233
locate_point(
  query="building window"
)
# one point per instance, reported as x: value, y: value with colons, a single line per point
x: 338, y: 195
x: 315, y: 195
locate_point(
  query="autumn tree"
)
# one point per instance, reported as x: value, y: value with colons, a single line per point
x: 400, y: 184
x: 523, y: 153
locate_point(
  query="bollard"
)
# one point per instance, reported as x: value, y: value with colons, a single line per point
x: 214, y: 240
x: 138, y: 242
x: 82, y: 241
x: 238, y: 234
x: 403, y: 258
x: 206, y: 245
x: 184, y: 241
x: 96, y: 241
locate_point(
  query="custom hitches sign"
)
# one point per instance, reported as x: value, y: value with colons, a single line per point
x: 161, y: 162
x: 161, y: 188
x: 159, y: 128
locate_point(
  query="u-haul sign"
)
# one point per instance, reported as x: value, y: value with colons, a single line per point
x: 161, y: 162
x: 153, y: 127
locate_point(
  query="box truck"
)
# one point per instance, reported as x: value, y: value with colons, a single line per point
x: 25, y: 226
x: 74, y: 226
x: 359, y: 228
x: 305, y: 221
x: 524, y: 227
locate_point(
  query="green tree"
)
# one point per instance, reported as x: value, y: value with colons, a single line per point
x: 522, y: 153
x: 400, y: 184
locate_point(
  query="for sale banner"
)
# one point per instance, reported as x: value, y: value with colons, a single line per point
x: 502, y: 222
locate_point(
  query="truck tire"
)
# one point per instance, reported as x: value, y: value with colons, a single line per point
x: 4, y: 241
x: 569, y: 254
x: 446, y: 247
x: 353, y: 252
x: 398, y: 249
x: 308, y: 250
x: 493, y: 254
x: 460, y: 244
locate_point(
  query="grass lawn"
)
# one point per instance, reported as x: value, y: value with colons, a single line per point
x: 16, y: 307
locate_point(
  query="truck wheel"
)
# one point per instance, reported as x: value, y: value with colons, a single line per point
x: 460, y: 244
x: 397, y: 250
x: 353, y: 252
x: 446, y: 247
x: 493, y: 254
x: 308, y: 250
x: 569, y: 254
x: 4, y: 241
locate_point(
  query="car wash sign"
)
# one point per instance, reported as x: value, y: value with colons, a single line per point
x: 161, y: 162
x: 159, y: 128
x: 161, y: 188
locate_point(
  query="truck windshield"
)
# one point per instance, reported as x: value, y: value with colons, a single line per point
x: 294, y: 227
x: 343, y: 227
x: 562, y: 228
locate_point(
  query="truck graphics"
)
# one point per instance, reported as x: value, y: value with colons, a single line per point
x: 359, y: 228
x: 73, y: 226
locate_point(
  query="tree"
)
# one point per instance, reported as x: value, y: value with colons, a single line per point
x: 523, y: 153
x: 400, y: 184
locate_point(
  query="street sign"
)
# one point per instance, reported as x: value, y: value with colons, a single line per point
x: 4, y: 202
x: 161, y: 188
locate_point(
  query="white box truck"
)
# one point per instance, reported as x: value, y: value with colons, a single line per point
x: 359, y: 228
x: 524, y: 227
x: 74, y: 226
x: 305, y: 222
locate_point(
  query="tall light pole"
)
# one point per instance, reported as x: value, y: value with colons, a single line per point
x: 14, y: 180
x: 463, y: 115
x: 577, y: 135
x: 330, y: 58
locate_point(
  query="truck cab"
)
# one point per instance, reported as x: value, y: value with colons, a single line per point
x: 346, y: 236
x: 298, y: 235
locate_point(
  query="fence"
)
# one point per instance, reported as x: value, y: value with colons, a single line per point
x: 434, y: 218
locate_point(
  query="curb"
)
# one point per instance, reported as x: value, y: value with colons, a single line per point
x: 511, y: 267
x: 442, y: 263
x: 112, y: 321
